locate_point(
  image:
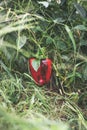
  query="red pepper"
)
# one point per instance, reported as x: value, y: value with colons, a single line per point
x: 40, y: 70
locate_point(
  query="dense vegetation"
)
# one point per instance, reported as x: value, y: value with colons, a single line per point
x: 56, y: 29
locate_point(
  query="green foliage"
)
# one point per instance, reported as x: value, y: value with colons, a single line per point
x: 52, y: 28
x: 17, y: 123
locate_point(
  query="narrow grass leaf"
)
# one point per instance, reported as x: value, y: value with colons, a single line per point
x: 5, y: 68
x: 71, y: 37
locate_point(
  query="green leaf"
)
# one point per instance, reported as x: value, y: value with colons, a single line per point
x: 44, y: 3
x: 71, y: 37
x: 5, y: 68
x: 80, y: 27
x: 61, y: 45
x: 59, y: 20
x: 49, y: 40
x: 9, y: 45
x: 21, y: 41
x: 83, y: 42
x: 36, y: 64
x: 80, y: 10
x: 85, y: 72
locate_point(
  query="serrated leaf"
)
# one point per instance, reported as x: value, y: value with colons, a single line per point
x: 36, y: 64
x: 49, y: 40
x: 80, y: 10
